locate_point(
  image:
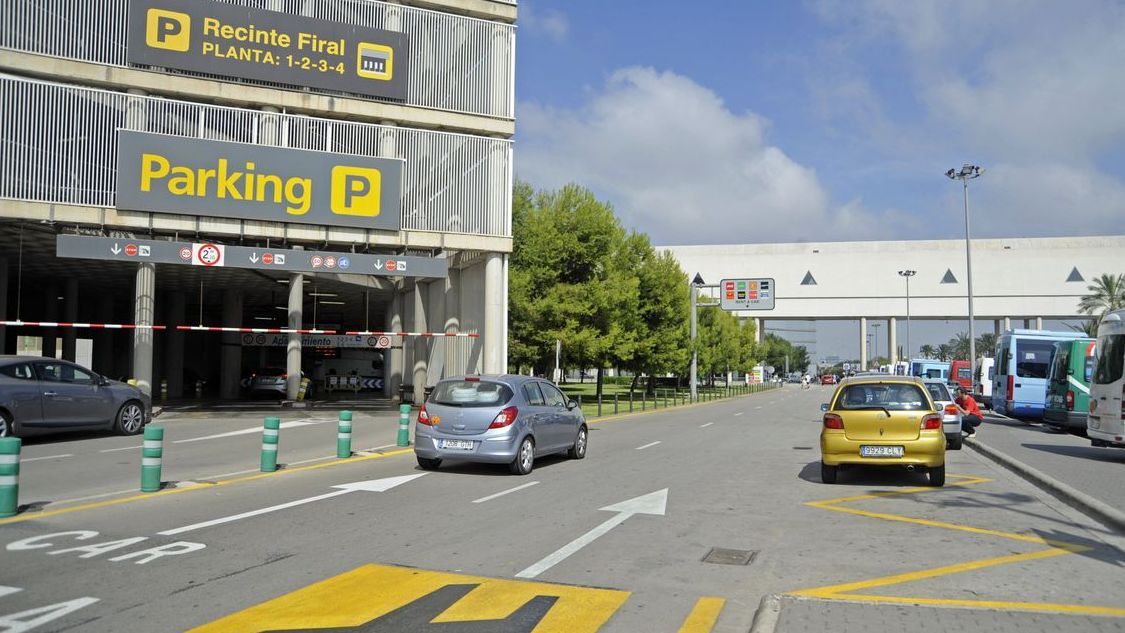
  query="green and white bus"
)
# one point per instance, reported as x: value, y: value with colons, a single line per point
x: 1068, y: 384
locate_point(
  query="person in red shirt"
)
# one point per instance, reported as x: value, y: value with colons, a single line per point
x: 970, y: 412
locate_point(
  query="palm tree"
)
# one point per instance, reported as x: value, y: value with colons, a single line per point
x: 927, y: 351
x: 986, y: 344
x: 1089, y: 328
x: 1107, y: 294
x: 944, y: 351
x: 959, y: 346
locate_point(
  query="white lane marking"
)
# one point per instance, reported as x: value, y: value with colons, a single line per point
x: 123, y: 448
x: 251, y: 430
x: 757, y: 407
x: 501, y: 494
x: 35, y: 459
x: 650, y: 444
x: 703, y: 426
x: 652, y: 503
x: 739, y: 413
x: 374, y: 485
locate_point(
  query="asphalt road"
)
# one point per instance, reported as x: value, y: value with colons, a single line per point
x: 615, y: 542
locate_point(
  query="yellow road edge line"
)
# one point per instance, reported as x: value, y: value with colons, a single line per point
x: 27, y: 516
x: 703, y: 615
x: 939, y: 524
x: 968, y: 480
x: 884, y: 581
x: 998, y: 605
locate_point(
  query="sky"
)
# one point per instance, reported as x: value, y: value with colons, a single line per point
x: 746, y: 121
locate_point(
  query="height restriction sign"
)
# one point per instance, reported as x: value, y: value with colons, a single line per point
x: 746, y: 294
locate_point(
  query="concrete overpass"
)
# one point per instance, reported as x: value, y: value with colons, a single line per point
x: 1014, y: 279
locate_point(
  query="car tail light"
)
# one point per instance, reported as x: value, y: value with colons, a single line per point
x: 833, y: 421
x: 1011, y: 388
x: 951, y: 409
x: 472, y: 378
x: 423, y: 417
x: 504, y: 418
x: 931, y: 422
x: 1070, y: 401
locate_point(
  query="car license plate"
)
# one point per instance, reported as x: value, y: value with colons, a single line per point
x: 460, y: 445
x: 880, y: 451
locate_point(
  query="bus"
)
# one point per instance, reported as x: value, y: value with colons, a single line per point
x: 1023, y: 358
x: 929, y: 368
x: 1068, y: 384
x: 1106, y: 423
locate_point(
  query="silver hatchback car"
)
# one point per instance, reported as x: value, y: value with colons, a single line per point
x: 500, y: 420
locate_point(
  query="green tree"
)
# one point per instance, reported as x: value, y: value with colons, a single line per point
x: 959, y: 346
x: 1107, y: 293
x: 927, y: 351
x: 945, y: 352
x: 661, y: 342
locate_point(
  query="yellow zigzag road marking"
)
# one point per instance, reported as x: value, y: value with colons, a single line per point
x: 1056, y: 548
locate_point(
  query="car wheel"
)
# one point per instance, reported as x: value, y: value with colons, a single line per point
x: 8, y: 427
x: 937, y: 476
x: 429, y: 464
x: 131, y: 418
x: 578, y: 451
x: 525, y: 458
x: 954, y: 444
x: 827, y: 473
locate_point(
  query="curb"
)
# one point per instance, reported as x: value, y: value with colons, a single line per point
x: 1110, y: 516
x: 765, y: 618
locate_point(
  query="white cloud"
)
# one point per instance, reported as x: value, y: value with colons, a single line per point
x: 551, y: 22
x: 679, y: 165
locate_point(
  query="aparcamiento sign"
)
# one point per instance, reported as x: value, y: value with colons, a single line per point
x: 172, y: 174
x: 236, y: 41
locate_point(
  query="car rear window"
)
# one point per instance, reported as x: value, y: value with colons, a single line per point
x: 893, y: 397
x: 938, y: 391
x: 470, y: 393
x: 1033, y: 358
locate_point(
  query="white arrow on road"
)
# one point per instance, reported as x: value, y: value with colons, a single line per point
x: 652, y: 503
x: 374, y: 485
x: 116, y: 250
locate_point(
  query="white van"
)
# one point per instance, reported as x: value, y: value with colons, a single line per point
x: 1106, y: 423
x: 982, y: 387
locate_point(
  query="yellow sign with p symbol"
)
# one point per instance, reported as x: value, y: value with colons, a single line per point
x: 356, y: 191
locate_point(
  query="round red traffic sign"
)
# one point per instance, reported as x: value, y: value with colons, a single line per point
x: 267, y: 258
x: 130, y: 249
x: 185, y: 253
x: 209, y: 254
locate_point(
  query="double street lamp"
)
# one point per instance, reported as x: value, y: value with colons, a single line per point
x: 875, y: 334
x: 967, y: 173
x: 907, y: 274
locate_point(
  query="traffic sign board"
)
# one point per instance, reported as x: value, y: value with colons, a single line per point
x: 210, y: 254
x: 747, y: 294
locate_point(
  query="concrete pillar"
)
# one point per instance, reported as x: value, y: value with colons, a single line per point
x: 420, y: 344
x: 393, y: 356
x: 435, y: 302
x: 1027, y: 324
x: 144, y: 305
x: 388, y: 143
x: 892, y: 341
x: 136, y: 117
x: 1039, y: 323
x: 495, y: 325
x: 996, y: 328
x: 1007, y: 323
x: 456, y: 354
x: 293, y: 345
x: 3, y: 304
x: 270, y: 127
x: 174, y: 313
x: 230, y: 355
x: 863, y: 343
x: 50, y: 313
x: 70, y: 315
x: 103, y: 339
x: 758, y: 323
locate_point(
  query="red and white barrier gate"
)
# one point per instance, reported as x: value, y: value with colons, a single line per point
x: 94, y: 326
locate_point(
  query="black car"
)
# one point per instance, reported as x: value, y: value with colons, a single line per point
x: 42, y: 395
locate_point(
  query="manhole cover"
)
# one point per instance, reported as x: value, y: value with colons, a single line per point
x: 723, y: 556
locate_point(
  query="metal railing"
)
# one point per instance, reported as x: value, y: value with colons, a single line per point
x: 58, y: 144
x: 457, y: 63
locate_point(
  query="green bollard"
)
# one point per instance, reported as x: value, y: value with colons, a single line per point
x: 152, y: 458
x: 403, y: 425
x: 344, y: 435
x: 269, y: 444
x: 9, y: 475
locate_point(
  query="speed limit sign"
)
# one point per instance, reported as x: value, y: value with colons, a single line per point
x: 207, y: 254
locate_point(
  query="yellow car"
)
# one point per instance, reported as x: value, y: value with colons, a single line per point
x: 882, y: 421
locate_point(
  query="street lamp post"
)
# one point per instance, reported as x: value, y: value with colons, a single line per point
x: 695, y: 284
x: 967, y: 173
x: 876, y: 327
x: 907, y: 274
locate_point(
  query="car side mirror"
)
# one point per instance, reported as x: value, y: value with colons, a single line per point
x: 571, y: 405
x: 103, y: 381
x: 824, y: 407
